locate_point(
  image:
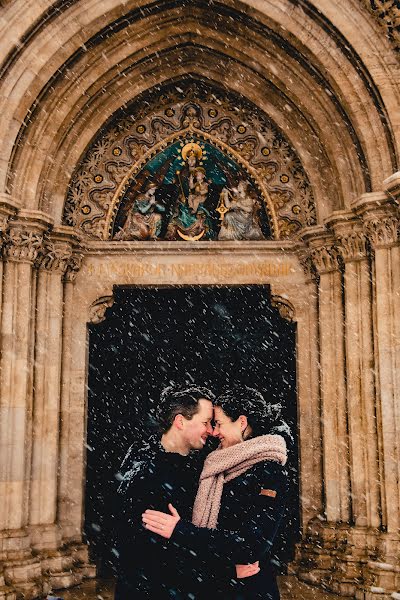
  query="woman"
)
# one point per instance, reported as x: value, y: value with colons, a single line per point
x: 242, y: 491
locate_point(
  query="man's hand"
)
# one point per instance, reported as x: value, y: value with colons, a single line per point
x: 243, y: 571
x: 161, y: 523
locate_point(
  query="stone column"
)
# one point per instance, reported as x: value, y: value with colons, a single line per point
x: 382, y: 225
x: 23, y: 242
x: 65, y: 504
x: 310, y: 409
x: 52, y: 262
x: 363, y: 437
x: 383, y: 230
x: 325, y: 257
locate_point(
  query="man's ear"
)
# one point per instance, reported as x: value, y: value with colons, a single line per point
x: 178, y: 421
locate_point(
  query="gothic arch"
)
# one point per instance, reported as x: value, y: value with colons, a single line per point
x: 291, y: 37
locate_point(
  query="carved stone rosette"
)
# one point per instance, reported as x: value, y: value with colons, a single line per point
x: 382, y: 230
x: 22, y: 245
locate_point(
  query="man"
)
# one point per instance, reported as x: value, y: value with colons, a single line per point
x: 166, y: 473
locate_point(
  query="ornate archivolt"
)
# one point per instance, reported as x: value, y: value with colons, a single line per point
x: 122, y: 160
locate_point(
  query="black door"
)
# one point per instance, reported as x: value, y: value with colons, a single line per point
x: 212, y: 336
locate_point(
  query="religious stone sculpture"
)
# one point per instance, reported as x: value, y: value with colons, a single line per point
x: 198, y: 187
x: 144, y: 220
x: 240, y: 220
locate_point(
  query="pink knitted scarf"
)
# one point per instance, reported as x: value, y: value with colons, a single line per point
x: 226, y: 464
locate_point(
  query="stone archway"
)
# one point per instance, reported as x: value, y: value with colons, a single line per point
x: 325, y: 75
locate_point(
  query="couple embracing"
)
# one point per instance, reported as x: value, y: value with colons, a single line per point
x: 194, y: 529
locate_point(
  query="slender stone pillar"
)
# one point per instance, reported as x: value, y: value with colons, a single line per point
x: 383, y: 230
x: 52, y: 263
x: 325, y: 536
x: 65, y: 503
x: 325, y: 257
x: 383, y: 226
x: 22, y: 244
x: 363, y: 437
x: 310, y: 411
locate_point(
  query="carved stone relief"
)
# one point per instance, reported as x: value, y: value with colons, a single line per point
x: 238, y: 143
x: 285, y: 308
x: 97, y: 311
x: 382, y: 230
x: 22, y: 244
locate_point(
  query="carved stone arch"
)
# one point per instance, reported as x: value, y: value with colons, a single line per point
x: 226, y: 120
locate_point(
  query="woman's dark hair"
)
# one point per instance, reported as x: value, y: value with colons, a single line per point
x: 180, y: 400
x: 262, y: 416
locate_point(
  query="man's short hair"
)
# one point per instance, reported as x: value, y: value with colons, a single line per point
x: 180, y: 400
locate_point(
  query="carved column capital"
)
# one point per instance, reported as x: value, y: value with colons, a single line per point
x: 22, y: 244
x: 73, y: 266
x: 8, y: 209
x: 322, y: 251
x: 350, y: 239
x: 308, y: 266
x: 54, y: 256
x: 326, y: 258
x: 383, y: 230
x: 352, y: 245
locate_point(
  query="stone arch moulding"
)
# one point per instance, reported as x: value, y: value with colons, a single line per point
x: 152, y: 123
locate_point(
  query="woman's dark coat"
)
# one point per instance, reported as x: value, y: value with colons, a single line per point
x: 252, y: 509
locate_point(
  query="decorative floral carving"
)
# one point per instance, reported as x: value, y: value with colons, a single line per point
x: 308, y: 266
x: 284, y: 307
x: 142, y: 130
x: 388, y: 14
x: 22, y: 244
x: 97, y: 311
x: 382, y: 230
x: 73, y: 267
x: 3, y: 230
x: 326, y: 258
x: 352, y: 245
x: 54, y: 256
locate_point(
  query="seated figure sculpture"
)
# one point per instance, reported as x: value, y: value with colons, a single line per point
x: 240, y: 221
x: 144, y: 220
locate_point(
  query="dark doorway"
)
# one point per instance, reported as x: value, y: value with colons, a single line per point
x: 213, y: 336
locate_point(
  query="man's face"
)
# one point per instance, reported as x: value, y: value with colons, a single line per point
x: 198, y: 428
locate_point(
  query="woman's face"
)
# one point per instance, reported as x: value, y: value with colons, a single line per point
x: 227, y: 431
